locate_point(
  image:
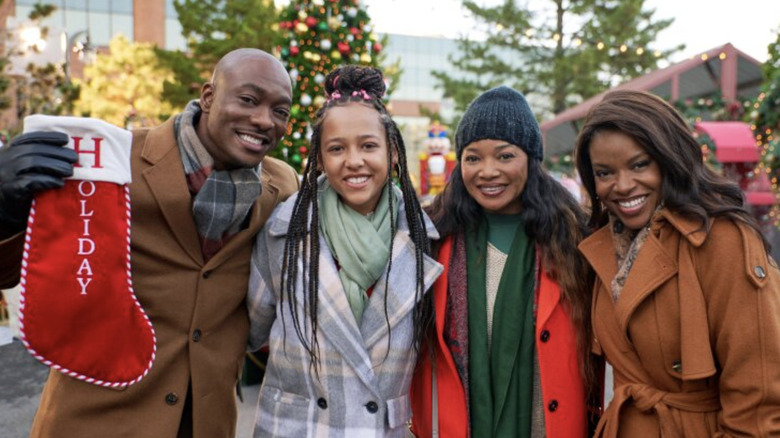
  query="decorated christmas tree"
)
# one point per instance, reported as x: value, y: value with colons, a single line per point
x: 318, y: 36
x: 765, y: 116
x: 765, y: 122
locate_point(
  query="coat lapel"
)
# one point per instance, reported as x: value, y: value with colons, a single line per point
x: 400, y: 290
x: 652, y: 268
x: 599, y: 250
x: 336, y: 321
x: 548, y: 296
x: 166, y: 181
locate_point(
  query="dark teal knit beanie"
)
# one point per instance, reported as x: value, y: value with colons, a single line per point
x: 503, y: 114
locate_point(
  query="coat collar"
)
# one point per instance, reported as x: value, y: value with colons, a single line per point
x: 167, y: 182
x: 599, y: 247
x: 691, y: 229
x: 652, y: 267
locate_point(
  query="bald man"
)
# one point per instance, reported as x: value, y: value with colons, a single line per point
x: 202, y: 188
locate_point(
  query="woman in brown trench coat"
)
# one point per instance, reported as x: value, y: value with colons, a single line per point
x: 686, y: 303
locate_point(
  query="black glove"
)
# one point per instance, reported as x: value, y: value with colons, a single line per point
x: 30, y: 163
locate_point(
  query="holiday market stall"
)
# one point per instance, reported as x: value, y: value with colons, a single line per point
x: 737, y: 152
x: 722, y: 71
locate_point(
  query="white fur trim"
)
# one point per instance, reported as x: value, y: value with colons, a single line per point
x: 114, y: 143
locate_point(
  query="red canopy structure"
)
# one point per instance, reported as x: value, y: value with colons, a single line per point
x: 726, y: 69
x: 734, y: 141
x: 736, y: 149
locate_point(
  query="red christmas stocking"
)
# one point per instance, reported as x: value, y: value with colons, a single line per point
x: 78, y: 312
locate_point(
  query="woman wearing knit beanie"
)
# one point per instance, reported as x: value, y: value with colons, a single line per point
x: 509, y: 355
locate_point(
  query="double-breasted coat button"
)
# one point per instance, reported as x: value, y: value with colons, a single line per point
x: 677, y: 366
x: 196, y: 335
x: 372, y: 407
x: 553, y: 405
x: 171, y: 398
x: 322, y: 403
x: 545, y: 336
x: 759, y: 271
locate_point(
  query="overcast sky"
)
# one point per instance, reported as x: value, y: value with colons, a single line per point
x: 701, y: 24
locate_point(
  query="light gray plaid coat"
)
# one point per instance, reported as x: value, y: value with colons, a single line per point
x: 363, y: 386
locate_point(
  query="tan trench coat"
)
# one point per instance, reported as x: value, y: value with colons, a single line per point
x: 694, y: 338
x: 197, y: 309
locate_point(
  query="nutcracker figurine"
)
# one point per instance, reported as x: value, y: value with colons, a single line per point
x: 436, y: 161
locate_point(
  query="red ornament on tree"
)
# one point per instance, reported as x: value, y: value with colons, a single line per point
x: 311, y: 21
x: 354, y: 30
x: 294, y: 50
x: 377, y: 47
x: 343, y: 48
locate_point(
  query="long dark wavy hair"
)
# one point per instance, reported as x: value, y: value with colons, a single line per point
x: 688, y: 186
x: 349, y: 85
x: 556, y: 224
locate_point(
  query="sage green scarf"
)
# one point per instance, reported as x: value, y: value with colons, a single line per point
x: 500, y: 388
x: 360, y: 244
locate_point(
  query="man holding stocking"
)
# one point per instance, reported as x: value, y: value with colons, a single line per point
x: 201, y: 189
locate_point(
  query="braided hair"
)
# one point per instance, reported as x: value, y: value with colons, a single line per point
x: 349, y: 85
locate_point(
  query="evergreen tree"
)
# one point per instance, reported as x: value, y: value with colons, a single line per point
x: 318, y: 36
x: 122, y: 86
x: 563, y: 52
x: 766, y: 114
x: 213, y: 28
x: 771, y: 67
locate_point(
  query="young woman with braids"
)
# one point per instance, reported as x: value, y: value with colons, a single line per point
x: 338, y: 277
x: 510, y: 351
x: 686, y: 299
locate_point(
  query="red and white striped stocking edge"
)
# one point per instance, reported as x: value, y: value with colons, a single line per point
x: 129, y: 287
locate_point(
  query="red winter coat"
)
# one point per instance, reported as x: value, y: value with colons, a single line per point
x: 563, y: 388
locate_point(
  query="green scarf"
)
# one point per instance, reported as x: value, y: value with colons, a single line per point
x: 360, y: 244
x: 500, y: 389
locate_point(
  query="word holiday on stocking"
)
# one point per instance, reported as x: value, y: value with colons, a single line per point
x: 86, y: 245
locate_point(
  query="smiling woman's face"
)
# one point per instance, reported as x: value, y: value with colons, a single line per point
x: 353, y: 153
x: 628, y: 180
x: 495, y: 173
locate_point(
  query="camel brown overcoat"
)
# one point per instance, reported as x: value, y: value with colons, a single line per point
x: 694, y: 338
x: 197, y: 309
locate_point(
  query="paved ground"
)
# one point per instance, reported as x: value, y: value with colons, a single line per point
x: 20, y: 385
x: 22, y: 377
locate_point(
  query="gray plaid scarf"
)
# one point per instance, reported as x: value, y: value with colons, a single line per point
x: 223, y: 198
